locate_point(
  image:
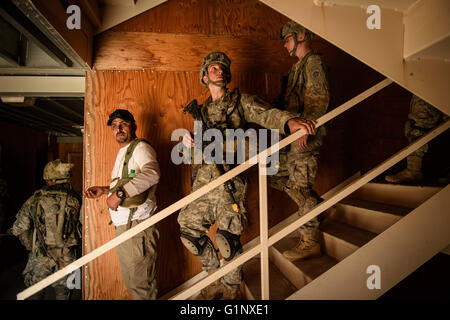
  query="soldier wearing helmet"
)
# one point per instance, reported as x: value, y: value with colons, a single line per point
x: 422, y: 117
x: 48, y: 225
x: 306, y: 94
x: 223, y: 110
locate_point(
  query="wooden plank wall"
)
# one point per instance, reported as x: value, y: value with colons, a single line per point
x: 150, y: 66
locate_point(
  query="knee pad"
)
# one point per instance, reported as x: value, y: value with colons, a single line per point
x: 228, y: 243
x: 195, y: 245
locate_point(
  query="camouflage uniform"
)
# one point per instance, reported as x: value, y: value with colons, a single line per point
x: 53, y: 213
x: 230, y: 111
x: 307, y: 94
x: 422, y: 118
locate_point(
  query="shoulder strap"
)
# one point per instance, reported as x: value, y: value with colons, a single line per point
x: 237, y: 105
x: 128, y: 155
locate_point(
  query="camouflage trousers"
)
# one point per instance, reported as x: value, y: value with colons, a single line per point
x: 137, y: 259
x: 422, y: 118
x: 196, y: 218
x: 296, y: 176
x: 40, y: 266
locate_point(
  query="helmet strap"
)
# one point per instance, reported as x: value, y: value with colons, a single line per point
x: 296, y: 43
x: 221, y: 84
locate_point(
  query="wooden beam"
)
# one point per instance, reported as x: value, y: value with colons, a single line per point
x: 42, y: 86
x: 427, y: 25
x: 263, y: 229
x: 162, y: 52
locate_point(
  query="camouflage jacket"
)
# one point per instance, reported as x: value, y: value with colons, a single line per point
x: 54, y: 210
x: 424, y: 114
x: 307, y: 93
x: 234, y: 110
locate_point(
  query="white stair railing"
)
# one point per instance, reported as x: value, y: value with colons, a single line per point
x: 267, y: 238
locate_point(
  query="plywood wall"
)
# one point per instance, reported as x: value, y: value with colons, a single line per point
x: 150, y: 66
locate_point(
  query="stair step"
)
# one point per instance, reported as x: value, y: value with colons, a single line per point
x: 367, y: 215
x: 340, y: 239
x: 299, y: 273
x: 395, y: 194
x: 279, y: 287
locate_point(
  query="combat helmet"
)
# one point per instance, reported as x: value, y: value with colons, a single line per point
x: 295, y: 29
x: 57, y: 171
x: 216, y: 57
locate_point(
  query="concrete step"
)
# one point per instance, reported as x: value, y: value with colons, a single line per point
x: 340, y: 239
x: 400, y: 195
x: 367, y: 215
x: 279, y: 286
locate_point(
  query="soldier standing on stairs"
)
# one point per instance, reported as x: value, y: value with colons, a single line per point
x: 422, y: 118
x: 306, y: 94
x: 131, y: 200
x: 225, y: 110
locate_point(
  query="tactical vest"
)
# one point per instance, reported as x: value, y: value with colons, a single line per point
x: 293, y: 80
x: 132, y: 202
x: 55, y: 217
x: 226, y: 114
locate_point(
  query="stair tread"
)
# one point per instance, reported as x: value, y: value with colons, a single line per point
x: 279, y: 287
x: 312, y: 267
x: 346, y: 232
x: 423, y: 184
x: 376, y: 206
x: 397, y: 194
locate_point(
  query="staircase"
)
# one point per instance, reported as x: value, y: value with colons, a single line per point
x: 345, y: 228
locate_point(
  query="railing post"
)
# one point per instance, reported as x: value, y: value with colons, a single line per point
x: 264, y: 228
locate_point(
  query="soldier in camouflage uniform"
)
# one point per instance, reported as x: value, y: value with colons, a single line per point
x: 225, y: 109
x: 306, y: 94
x: 48, y: 226
x: 422, y: 118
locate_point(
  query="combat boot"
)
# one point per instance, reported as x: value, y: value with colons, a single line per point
x: 307, y: 247
x: 412, y: 173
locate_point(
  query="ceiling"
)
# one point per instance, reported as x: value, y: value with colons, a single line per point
x: 25, y: 51
x: 59, y: 116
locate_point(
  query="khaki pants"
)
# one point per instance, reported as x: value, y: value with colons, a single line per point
x: 137, y: 258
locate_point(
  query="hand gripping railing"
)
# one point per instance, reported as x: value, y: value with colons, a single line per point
x: 252, y: 248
